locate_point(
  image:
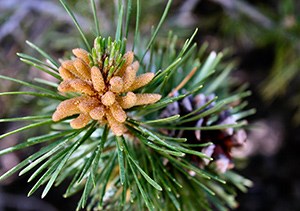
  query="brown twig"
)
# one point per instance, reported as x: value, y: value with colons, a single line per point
x: 184, y: 81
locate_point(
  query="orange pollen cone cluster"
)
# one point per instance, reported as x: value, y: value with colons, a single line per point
x: 103, y: 97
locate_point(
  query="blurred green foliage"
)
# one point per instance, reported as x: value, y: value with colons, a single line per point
x: 267, y: 31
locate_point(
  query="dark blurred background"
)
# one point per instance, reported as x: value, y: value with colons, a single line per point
x: 263, y: 40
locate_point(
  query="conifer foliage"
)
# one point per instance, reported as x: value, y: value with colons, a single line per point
x: 151, y: 127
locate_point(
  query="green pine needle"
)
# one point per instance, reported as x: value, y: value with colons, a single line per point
x: 71, y: 14
x: 27, y: 127
x: 96, y: 21
x: 162, y: 19
x: 43, y: 53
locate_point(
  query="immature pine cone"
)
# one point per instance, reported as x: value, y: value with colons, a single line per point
x: 103, y: 96
x: 223, y: 141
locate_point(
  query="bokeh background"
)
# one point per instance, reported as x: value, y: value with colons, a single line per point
x: 261, y: 38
